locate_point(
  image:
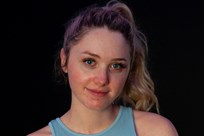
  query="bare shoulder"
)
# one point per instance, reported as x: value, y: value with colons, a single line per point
x: 45, y: 131
x: 152, y: 124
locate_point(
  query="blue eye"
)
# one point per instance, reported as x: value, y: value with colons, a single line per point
x: 117, y: 66
x: 89, y: 61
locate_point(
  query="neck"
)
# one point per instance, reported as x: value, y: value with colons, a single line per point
x: 87, y: 121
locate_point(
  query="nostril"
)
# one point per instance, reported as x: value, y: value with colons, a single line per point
x: 102, y: 78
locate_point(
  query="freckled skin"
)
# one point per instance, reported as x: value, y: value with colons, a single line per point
x: 96, y: 83
x: 97, y: 70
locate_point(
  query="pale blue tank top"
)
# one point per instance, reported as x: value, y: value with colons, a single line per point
x: 122, y: 126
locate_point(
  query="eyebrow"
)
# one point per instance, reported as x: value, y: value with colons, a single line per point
x: 91, y: 54
x: 97, y: 56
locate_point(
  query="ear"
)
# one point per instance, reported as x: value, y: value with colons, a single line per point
x: 63, y: 59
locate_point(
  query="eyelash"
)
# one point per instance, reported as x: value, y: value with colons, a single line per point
x: 91, y: 62
x: 121, y: 66
x: 87, y: 61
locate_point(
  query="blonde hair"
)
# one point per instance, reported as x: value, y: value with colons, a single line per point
x: 116, y: 16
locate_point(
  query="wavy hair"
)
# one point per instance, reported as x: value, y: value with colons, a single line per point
x: 138, y: 91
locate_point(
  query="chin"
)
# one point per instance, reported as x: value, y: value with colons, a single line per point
x: 98, y: 106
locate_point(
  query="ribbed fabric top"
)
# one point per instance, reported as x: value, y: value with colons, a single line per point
x: 122, y: 126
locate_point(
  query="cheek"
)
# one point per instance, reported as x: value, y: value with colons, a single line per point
x: 118, y: 82
x: 77, y: 78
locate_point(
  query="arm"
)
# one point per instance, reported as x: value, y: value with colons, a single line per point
x: 45, y: 131
x: 151, y: 124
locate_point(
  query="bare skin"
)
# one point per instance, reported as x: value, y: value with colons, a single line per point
x: 155, y: 125
x: 97, y: 68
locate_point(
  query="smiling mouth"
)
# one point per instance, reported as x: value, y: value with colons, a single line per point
x: 97, y: 92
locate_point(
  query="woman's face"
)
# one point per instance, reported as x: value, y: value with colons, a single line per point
x: 98, y: 67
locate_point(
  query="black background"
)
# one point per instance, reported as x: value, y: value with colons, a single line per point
x: 32, y: 32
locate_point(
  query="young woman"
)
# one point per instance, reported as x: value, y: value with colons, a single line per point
x: 103, y: 61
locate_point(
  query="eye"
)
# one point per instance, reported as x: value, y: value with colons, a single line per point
x: 89, y: 61
x: 118, y: 66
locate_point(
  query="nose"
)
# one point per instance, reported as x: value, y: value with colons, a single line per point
x: 102, y: 77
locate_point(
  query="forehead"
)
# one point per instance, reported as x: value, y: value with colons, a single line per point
x: 103, y: 42
x: 104, y: 34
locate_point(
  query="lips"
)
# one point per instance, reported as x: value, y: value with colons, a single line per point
x: 99, y: 93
